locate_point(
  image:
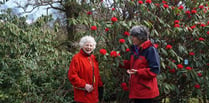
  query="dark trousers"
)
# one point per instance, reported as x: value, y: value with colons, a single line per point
x: 143, y: 101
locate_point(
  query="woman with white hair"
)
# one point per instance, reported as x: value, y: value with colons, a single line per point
x: 84, y: 72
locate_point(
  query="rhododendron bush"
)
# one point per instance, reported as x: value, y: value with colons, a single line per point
x: 179, y: 29
x: 34, y: 68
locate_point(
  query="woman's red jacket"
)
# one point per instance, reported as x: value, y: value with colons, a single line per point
x: 81, y: 73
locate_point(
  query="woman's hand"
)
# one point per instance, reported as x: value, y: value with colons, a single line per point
x: 132, y: 71
x: 89, y: 87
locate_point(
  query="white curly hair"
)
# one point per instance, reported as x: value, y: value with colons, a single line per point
x: 86, y: 39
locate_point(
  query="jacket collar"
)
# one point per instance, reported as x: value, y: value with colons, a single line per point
x: 143, y: 46
x: 84, y: 53
x: 146, y: 44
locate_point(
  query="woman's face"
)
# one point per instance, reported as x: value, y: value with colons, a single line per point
x: 88, y: 47
x: 136, y: 41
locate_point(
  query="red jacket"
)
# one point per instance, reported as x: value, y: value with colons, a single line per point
x: 80, y: 73
x: 143, y: 84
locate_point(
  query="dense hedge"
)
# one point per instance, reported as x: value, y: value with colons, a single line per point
x: 32, y: 68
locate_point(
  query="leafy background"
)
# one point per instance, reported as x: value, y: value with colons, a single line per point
x: 35, y: 57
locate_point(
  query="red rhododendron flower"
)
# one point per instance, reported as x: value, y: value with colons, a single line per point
x: 140, y: 2
x: 156, y: 45
x: 127, y: 50
x: 168, y: 46
x: 122, y: 41
x: 197, y: 86
x: 124, y: 86
x: 165, y: 6
x: 148, y: 1
x: 157, y: 4
x: 176, y: 25
x: 191, y: 53
x: 164, y: 2
x: 202, y: 25
x: 201, y: 39
x: 194, y: 11
x: 125, y: 62
x: 176, y: 21
x: 89, y: 13
x: 173, y: 61
x: 113, y: 9
x: 106, y: 29
x: 180, y: 66
x: 126, y: 33
x: 187, y: 12
x: 114, y: 19
x: 208, y: 32
x: 199, y: 74
x: 93, y: 28
x: 201, y: 6
x: 172, y: 70
x: 113, y: 54
x: 181, y: 7
x: 173, y: 7
x: 194, y: 26
x: 102, y: 51
x: 188, y: 68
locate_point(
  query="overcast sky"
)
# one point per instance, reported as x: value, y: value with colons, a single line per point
x: 32, y: 16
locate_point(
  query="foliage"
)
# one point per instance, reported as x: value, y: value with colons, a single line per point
x: 180, y: 32
x: 32, y: 68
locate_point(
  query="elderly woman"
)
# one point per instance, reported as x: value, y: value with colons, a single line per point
x: 143, y: 67
x: 84, y: 73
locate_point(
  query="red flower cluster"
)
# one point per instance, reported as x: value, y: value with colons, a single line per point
x: 197, y: 86
x: 89, y: 13
x: 165, y: 6
x: 114, y: 19
x: 114, y: 54
x: 126, y: 33
x: 180, y: 66
x: 164, y: 2
x: 180, y: 7
x: 148, y: 1
x: 194, y: 11
x: 201, y: 6
x: 102, y: 51
x: 127, y: 50
x: 201, y: 39
x: 124, y: 86
x: 113, y: 9
x: 93, y: 28
x: 199, y: 74
x: 191, y: 53
x: 106, y: 29
x: 156, y: 45
x: 176, y: 23
x: 172, y: 70
x: 188, y: 68
x: 122, y: 41
x: 140, y: 2
x: 168, y: 46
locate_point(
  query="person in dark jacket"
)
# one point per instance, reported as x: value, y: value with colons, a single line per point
x: 84, y: 73
x: 143, y: 67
